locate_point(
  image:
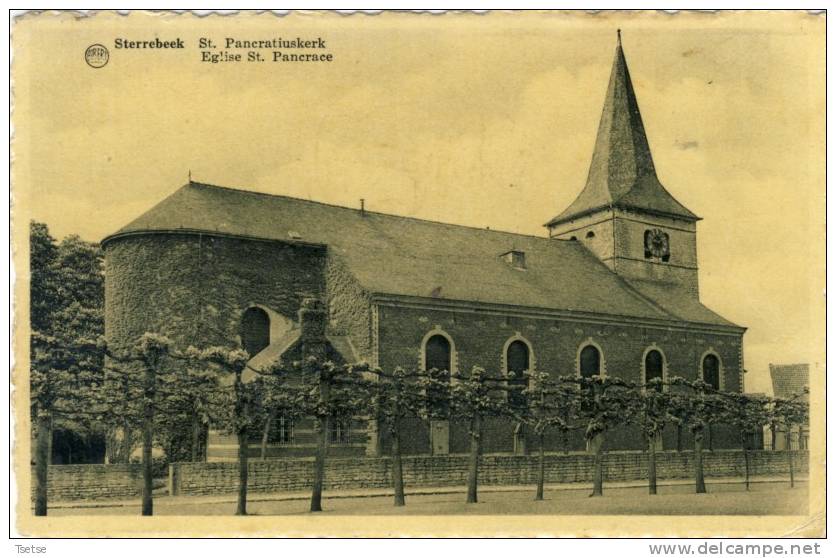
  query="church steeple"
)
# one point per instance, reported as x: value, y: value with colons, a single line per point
x: 624, y: 215
x: 622, y: 173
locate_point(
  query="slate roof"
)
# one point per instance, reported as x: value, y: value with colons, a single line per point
x: 392, y: 255
x: 622, y: 173
x: 339, y: 349
x: 789, y: 380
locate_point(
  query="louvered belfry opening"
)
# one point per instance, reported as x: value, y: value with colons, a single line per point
x: 255, y: 330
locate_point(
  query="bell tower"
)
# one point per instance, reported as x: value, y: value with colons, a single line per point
x: 623, y: 214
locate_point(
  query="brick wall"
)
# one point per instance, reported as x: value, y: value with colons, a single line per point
x: 479, y: 339
x: 92, y: 482
x: 287, y: 475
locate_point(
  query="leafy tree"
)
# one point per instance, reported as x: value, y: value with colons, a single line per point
x: 53, y: 373
x: 66, y: 300
x: 43, y: 283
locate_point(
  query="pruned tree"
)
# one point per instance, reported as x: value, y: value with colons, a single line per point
x: 281, y: 396
x: 746, y: 412
x: 651, y: 415
x: 321, y: 389
x: 793, y: 412
x: 695, y: 404
x: 150, y: 351
x: 189, y: 398
x: 472, y: 398
x: 397, y: 396
x: 551, y: 404
x: 240, y: 417
x: 605, y: 403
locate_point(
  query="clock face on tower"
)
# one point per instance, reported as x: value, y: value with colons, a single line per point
x: 656, y: 245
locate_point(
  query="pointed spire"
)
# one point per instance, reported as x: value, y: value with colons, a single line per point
x: 622, y: 172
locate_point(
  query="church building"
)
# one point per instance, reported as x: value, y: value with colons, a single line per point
x: 611, y: 288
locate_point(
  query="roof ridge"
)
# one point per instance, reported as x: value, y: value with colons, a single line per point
x: 347, y: 208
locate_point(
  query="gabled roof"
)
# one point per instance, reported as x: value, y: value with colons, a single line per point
x: 392, y: 255
x: 622, y: 173
x: 338, y: 349
x: 788, y: 380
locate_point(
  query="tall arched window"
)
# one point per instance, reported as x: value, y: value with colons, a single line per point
x: 590, y: 361
x: 711, y: 371
x: 517, y: 361
x: 654, y: 366
x: 255, y: 330
x: 438, y: 356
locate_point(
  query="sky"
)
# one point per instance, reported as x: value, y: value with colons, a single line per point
x: 480, y: 120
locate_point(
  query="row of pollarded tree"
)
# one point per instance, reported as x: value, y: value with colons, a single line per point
x: 152, y: 387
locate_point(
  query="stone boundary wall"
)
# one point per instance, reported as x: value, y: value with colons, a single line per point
x: 288, y: 475
x: 92, y: 482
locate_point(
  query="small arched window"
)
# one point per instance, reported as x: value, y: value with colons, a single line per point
x: 654, y: 367
x: 255, y: 330
x: 711, y: 371
x: 573, y: 238
x: 518, y: 361
x: 590, y: 234
x: 590, y: 361
x: 437, y: 353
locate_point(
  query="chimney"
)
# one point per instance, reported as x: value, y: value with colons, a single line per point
x: 362, y: 206
x: 312, y: 321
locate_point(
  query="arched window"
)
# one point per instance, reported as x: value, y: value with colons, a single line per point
x: 654, y: 365
x: 590, y: 361
x: 437, y: 353
x: 517, y: 361
x: 438, y: 356
x: 711, y: 371
x: 255, y: 330
x: 590, y: 234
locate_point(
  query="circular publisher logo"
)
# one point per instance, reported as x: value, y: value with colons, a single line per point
x: 96, y: 56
